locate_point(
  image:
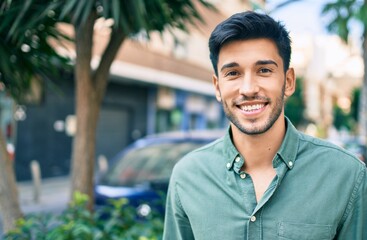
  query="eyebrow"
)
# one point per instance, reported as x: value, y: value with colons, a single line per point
x: 266, y: 62
x: 229, y: 65
x: 260, y: 62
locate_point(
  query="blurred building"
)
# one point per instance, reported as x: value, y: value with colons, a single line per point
x: 164, y: 84
x: 331, y: 70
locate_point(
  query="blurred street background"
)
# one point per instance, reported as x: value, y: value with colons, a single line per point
x: 52, y: 198
x: 161, y: 83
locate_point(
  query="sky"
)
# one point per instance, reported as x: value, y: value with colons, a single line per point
x: 305, y: 16
x: 301, y: 17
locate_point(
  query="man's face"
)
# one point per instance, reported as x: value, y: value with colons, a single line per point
x: 251, y: 84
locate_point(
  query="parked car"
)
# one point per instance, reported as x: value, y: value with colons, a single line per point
x: 140, y: 173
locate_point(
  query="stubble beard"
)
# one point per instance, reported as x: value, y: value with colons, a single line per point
x: 255, y: 130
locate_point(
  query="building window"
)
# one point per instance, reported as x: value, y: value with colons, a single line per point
x: 168, y: 120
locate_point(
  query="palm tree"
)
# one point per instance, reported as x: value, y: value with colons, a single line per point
x: 25, y: 56
x: 130, y: 17
x: 37, y: 18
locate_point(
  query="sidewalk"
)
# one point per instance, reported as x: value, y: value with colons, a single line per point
x: 54, y: 196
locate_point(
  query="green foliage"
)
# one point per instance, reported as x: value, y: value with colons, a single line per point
x: 354, y: 109
x: 294, y: 107
x: 348, y: 120
x: 26, y: 28
x: 343, y: 119
x: 340, y: 13
x: 116, y: 221
x: 134, y: 16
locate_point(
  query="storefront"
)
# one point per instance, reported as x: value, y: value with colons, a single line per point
x: 179, y: 110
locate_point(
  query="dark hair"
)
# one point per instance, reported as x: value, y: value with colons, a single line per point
x: 250, y: 25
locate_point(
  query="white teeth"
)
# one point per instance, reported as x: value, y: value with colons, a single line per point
x: 252, y: 107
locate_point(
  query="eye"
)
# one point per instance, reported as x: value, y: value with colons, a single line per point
x: 231, y: 74
x: 265, y: 71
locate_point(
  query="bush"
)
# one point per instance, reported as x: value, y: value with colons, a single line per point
x: 116, y: 221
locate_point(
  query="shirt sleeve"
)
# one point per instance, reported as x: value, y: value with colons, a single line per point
x: 176, y: 223
x: 355, y: 224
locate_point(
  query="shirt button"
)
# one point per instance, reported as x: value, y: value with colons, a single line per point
x: 290, y: 163
x: 253, y: 219
x: 228, y: 165
x: 243, y: 175
x: 237, y: 159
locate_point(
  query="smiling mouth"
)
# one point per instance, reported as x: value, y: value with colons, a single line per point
x: 251, y: 107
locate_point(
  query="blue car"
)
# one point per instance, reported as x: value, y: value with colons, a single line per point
x: 140, y: 173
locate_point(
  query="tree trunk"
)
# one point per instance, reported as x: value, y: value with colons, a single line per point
x: 90, y: 90
x: 9, y: 203
x: 86, y: 112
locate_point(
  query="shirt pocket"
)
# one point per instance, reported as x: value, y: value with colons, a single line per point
x: 301, y: 231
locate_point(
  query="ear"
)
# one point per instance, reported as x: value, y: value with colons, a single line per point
x: 290, y: 82
x: 216, y: 87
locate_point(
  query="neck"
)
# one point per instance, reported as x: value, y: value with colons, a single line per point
x: 259, y: 150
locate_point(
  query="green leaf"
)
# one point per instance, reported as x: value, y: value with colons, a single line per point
x: 116, y: 10
x: 106, y: 8
x: 87, y: 11
x: 67, y: 9
x: 340, y: 14
x: 19, y: 18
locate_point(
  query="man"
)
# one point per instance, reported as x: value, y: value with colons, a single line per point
x: 263, y: 179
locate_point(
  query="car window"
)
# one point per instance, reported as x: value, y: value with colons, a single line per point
x: 152, y: 163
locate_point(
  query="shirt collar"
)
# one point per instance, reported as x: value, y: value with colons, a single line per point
x: 289, y: 148
x: 287, y: 151
x: 229, y: 149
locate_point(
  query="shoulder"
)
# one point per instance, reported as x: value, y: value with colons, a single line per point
x: 318, y: 149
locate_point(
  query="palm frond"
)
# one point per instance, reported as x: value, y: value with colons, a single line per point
x: 26, y: 52
x: 340, y: 14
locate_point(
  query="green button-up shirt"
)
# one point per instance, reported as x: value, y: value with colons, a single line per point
x: 319, y: 192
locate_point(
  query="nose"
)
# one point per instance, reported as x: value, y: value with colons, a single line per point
x: 249, y: 86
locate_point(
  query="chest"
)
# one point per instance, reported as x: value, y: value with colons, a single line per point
x: 260, y: 181
x: 228, y: 208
